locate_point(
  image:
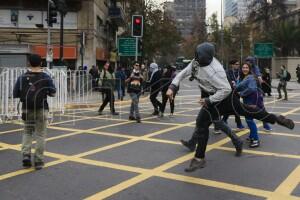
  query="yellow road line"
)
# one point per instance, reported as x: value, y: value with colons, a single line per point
x: 290, y: 183
x: 11, y: 131
x: 279, y: 134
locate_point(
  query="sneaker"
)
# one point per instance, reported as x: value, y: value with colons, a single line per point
x: 238, y: 148
x: 138, y: 120
x: 38, y: 165
x: 114, y: 113
x: 131, y: 118
x: 155, y: 112
x: 195, y: 164
x: 248, y: 139
x: 188, y: 145
x: 240, y: 127
x: 26, y: 161
x: 285, y: 99
x: 161, y: 115
x: 171, y: 115
x: 288, y: 123
x: 279, y: 97
x: 217, y: 132
x: 268, y: 129
x: 254, y: 144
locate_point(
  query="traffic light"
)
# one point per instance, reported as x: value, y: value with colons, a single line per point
x: 140, y: 45
x: 137, y: 26
x: 52, y: 13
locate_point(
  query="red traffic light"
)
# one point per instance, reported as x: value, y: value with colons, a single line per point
x: 138, y: 20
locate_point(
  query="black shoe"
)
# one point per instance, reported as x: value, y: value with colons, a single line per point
x: 195, y: 164
x: 131, y: 118
x: 138, y: 120
x: 238, y: 148
x: 114, y: 113
x: 155, y: 112
x: 100, y: 112
x: 188, y: 145
x: 38, y: 165
x: 279, y: 97
x: 26, y: 161
x: 281, y: 120
x: 254, y: 144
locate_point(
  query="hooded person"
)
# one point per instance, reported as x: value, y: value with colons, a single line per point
x: 154, y: 82
x: 211, y: 77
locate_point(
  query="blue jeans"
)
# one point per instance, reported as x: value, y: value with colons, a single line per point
x: 134, y: 108
x: 253, y: 128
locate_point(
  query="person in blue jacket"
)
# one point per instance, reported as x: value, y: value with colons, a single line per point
x: 248, y: 89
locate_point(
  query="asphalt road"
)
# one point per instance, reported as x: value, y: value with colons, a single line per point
x: 103, y: 157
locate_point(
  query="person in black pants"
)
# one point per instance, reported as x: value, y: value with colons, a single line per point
x: 165, y: 82
x: 108, y: 85
x: 210, y: 74
x: 155, y: 85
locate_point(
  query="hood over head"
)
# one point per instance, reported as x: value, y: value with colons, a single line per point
x: 251, y: 60
x: 153, y: 66
x: 204, y: 53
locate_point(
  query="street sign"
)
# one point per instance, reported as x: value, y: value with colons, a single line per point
x: 263, y: 50
x: 127, y: 46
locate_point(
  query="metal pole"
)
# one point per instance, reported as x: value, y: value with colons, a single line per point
x: 136, y: 48
x: 61, y: 51
x: 222, y: 34
x: 48, y: 37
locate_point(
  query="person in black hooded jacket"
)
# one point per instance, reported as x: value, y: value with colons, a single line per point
x: 211, y: 77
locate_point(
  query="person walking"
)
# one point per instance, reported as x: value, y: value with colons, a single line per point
x: 210, y: 74
x: 282, y: 75
x: 120, y: 82
x: 108, y: 84
x: 233, y: 76
x: 166, y: 80
x: 95, y: 74
x: 298, y: 73
x: 267, y: 82
x: 134, y: 89
x: 144, y: 73
x: 155, y: 85
x: 32, y: 88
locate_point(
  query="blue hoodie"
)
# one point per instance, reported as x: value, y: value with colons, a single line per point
x: 255, y: 68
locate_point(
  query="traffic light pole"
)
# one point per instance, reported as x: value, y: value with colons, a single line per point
x: 136, y: 48
x: 48, y: 38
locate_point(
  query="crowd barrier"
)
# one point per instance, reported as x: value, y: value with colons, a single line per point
x: 72, y: 87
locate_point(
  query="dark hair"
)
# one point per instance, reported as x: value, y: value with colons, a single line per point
x: 232, y: 62
x: 35, y: 60
x: 250, y: 70
x: 283, y: 66
x: 135, y: 62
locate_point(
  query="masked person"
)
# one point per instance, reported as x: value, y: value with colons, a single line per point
x: 211, y: 77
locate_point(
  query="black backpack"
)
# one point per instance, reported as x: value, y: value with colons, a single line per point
x: 288, y: 76
x: 33, y: 90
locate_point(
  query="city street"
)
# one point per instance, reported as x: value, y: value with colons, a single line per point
x: 102, y: 157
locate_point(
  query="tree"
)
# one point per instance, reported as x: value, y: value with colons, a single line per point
x: 285, y: 36
x: 263, y: 13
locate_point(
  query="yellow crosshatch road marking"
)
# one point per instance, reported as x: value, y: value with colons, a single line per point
x: 290, y: 183
x: 159, y: 171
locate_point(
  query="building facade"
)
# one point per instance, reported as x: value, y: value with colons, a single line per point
x: 23, y: 30
x: 187, y: 13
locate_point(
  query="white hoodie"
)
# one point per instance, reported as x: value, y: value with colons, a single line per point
x: 212, y: 79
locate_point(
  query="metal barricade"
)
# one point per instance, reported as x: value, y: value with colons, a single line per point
x: 9, y: 107
x: 79, y: 86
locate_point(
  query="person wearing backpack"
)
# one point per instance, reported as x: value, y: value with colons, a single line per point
x: 108, y: 85
x: 283, y: 76
x: 32, y: 88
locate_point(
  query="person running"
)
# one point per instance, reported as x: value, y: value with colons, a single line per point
x: 167, y: 78
x: 134, y: 89
x: 154, y: 82
x: 94, y: 72
x: 108, y: 84
x: 248, y: 89
x: 210, y: 74
x: 282, y: 82
x: 32, y: 88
